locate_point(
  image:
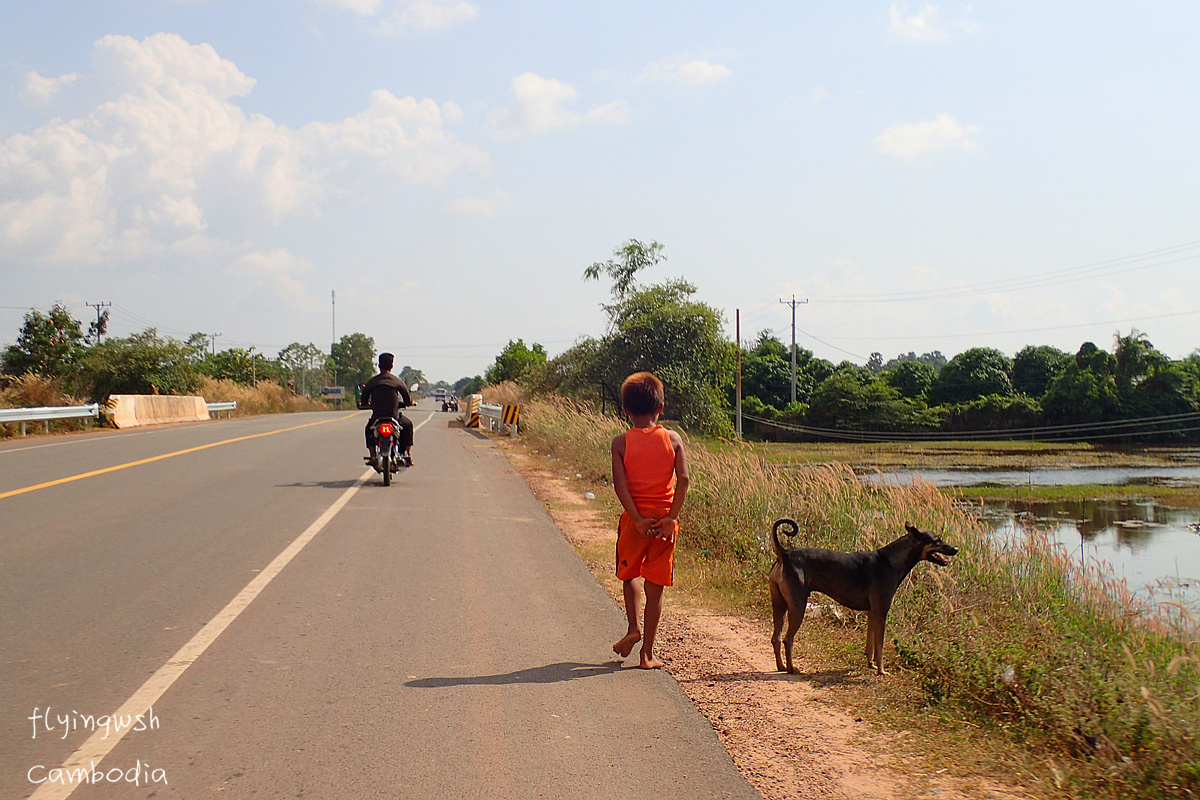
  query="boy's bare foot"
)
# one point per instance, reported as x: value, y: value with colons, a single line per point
x: 625, y: 646
x: 650, y: 662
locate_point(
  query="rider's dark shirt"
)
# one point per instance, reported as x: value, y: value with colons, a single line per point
x: 383, y: 392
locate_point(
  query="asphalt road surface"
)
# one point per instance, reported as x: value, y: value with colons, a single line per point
x: 261, y: 617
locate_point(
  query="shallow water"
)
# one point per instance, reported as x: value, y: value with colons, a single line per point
x: 1155, y: 548
x: 1075, y: 476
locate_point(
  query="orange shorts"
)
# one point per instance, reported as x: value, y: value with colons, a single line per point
x: 644, y: 556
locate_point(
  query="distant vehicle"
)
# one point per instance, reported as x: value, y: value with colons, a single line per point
x: 439, y: 395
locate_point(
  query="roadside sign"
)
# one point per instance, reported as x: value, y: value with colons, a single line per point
x: 333, y: 392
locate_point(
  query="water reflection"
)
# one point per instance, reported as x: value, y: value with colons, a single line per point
x: 1155, y: 548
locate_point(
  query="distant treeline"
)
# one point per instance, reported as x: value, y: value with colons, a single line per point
x: 1133, y: 394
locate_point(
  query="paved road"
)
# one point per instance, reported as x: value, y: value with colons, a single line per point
x: 298, y: 630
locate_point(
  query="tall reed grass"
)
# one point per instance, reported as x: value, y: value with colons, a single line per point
x: 267, y: 397
x: 1014, y: 635
x: 34, y: 391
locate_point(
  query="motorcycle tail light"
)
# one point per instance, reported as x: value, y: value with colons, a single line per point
x: 385, y: 429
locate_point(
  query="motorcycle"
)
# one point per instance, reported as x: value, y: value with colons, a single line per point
x: 386, y: 457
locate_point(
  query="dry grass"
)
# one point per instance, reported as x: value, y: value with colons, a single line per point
x: 1014, y: 637
x: 265, y: 398
x: 508, y: 393
x: 34, y: 391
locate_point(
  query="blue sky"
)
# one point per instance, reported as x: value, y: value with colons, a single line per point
x: 929, y: 176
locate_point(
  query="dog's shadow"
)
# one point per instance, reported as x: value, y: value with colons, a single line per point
x: 826, y: 678
x: 550, y: 673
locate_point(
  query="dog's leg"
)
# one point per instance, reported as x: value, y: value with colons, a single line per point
x: 795, y: 616
x: 876, y: 623
x: 779, y: 609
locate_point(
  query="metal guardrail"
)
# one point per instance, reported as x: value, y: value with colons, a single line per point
x: 496, y: 419
x: 217, y: 408
x: 44, y: 414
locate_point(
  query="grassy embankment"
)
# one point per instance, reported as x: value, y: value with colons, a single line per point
x: 1059, y: 663
x: 31, y: 391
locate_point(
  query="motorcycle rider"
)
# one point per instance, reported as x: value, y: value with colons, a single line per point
x: 385, y: 395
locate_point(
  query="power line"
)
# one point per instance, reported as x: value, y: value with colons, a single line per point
x: 1114, y: 429
x: 1156, y: 258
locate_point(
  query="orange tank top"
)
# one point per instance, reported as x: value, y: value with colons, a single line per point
x: 650, y: 467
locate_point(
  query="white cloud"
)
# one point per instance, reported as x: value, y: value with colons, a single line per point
x: 539, y: 104
x: 427, y: 15
x: 484, y: 206
x: 683, y: 71
x: 924, y: 26
x: 910, y: 140
x: 167, y: 150
x: 420, y: 15
x: 366, y: 8
x: 277, y: 274
x: 818, y: 95
x: 45, y: 88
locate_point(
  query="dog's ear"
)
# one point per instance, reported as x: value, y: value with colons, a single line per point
x: 913, y: 529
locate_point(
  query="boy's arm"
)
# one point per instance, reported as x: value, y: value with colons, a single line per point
x: 621, y: 487
x: 681, y: 480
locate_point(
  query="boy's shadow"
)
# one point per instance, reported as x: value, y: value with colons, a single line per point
x: 551, y: 673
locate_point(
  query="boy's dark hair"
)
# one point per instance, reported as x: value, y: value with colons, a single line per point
x: 642, y: 393
x: 386, y: 360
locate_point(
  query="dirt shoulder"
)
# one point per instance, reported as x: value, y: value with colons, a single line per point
x: 792, y: 736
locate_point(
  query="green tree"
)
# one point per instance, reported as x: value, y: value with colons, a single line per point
x: 410, y: 375
x: 973, y: 373
x: 354, y: 358
x: 767, y: 372
x: 234, y: 364
x: 48, y: 344
x: 911, y: 378
x: 855, y: 400
x: 632, y: 257
x: 304, y: 364
x: 466, y: 386
x: 662, y: 330
x: 143, y: 363
x: 514, y: 361
x: 1035, y: 366
x: 1085, y: 391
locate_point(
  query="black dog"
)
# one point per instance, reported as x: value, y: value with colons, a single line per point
x: 864, y: 581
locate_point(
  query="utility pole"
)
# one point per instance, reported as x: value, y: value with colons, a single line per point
x: 214, y: 336
x: 793, y: 303
x: 333, y: 334
x: 98, y: 306
x: 738, y: 334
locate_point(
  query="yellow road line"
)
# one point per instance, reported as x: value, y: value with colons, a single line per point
x: 96, y: 472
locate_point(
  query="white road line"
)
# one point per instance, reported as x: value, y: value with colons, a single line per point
x: 101, y: 743
x: 97, y: 746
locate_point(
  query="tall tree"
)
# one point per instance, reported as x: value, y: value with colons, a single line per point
x: 977, y: 372
x: 354, y: 358
x: 1035, y: 366
x: 514, y: 361
x: 48, y: 344
x: 631, y: 257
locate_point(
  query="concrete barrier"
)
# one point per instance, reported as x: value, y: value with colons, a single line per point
x: 132, y: 410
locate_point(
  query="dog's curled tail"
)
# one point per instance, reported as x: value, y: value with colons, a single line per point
x: 793, y: 529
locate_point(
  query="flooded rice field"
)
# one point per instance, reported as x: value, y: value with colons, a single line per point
x: 1155, y: 548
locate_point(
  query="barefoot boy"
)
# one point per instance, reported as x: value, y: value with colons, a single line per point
x: 651, y: 480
